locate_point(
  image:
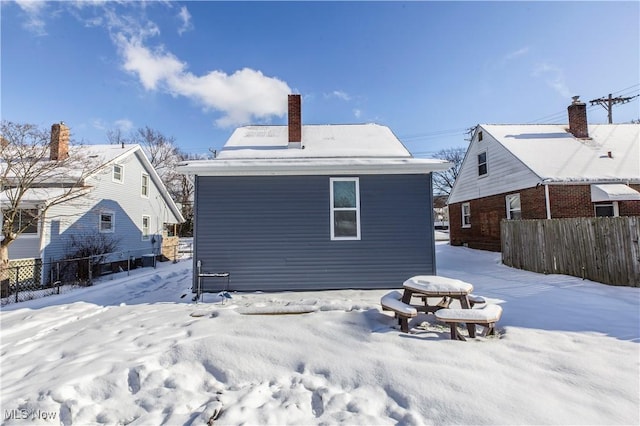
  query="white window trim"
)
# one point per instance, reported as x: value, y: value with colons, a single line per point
x: 113, y: 222
x: 113, y: 173
x: 142, y: 194
x: 462, y: 208
x: 507, y: 200
x: 616, y: 208
x: 148, y: 236
x: 486, y: 163
x: 333, y: 209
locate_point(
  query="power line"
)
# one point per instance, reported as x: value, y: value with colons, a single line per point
x: 608, y: 103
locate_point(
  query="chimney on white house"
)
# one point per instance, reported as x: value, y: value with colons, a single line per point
x: 578, y: 125
x: 295, y: 121
x: 59, y: 146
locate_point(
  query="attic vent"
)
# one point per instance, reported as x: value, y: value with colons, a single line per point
x: 479, y: 135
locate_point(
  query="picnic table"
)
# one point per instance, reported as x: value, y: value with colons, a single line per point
x: 444, y: 289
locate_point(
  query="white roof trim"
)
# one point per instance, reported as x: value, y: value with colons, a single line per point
x: 613, y: 192
x: 324, y: 166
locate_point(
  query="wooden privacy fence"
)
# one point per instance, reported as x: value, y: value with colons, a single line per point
x: 603, y: 249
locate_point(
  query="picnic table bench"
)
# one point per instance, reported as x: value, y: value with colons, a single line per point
x: 487, y: 316
x: 393, y: 302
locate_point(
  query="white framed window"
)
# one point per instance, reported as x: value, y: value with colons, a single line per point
x: 606, y: 209
x: 482, y: 163
x: 144, y: 188
x: 513, y: 206
x: 25, y: 221
x: 118, y: 173
x: 466, y: 215
x: 107, y: 222
x: 345, y: 208
x: 146, y: 225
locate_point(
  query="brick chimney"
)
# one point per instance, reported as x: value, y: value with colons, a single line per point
x: 59, y: 147
x: 578, y: 125
x: 295, y: 121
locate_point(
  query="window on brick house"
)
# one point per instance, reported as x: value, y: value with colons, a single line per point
x: 513, y: 206
x: 482, y: 163
x: 466, y: 215
x: 607, y: 209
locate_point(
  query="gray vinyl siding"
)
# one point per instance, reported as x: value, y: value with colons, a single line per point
x: 272, y: 233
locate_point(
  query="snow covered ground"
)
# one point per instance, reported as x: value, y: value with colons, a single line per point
x: 129, y: 351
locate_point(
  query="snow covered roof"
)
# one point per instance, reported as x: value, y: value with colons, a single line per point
x: 351, y: 148
x: 612, y: 152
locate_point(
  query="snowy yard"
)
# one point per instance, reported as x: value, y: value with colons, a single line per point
x: 128, y: 351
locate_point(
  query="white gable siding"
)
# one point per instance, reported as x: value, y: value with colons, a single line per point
x: 505, y: 172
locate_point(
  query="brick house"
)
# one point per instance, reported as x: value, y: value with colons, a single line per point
x: 544, y: 171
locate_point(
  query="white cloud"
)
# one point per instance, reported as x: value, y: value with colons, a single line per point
x: 516, y: 53
x: 554, y: 77
x: 357, y: 113
x: 123, y: 124
x: 34, y: 22
x: 243, y: 96
x: 185, y: 18
x: 338, y: 94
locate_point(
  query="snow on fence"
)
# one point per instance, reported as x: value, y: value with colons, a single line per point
x: 602, y: 249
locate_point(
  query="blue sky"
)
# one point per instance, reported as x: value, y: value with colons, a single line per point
x: 428, y: 70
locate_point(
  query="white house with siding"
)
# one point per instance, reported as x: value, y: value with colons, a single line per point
x: 124, y: 200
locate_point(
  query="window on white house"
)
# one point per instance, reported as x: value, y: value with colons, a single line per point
x: 482, y: 163
x: 107, y: 222
x: 513, y: 206
x: 607, y: 209
x: 479, y: 135
x: 345, y: 208
x: 146, y: 224
x: 25, y: 221
x: 466, y: 215
x: 145, y: 185
x: 118, y: 173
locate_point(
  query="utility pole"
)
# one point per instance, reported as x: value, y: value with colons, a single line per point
x: 608, y: 103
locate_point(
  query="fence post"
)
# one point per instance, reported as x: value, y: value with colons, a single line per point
x: 17, y: 281
x: 90, y: 273
x: 175, y: 254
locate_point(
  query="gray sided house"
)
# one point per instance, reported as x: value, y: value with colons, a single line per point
x: 313, y: 207
x: 124, y: 201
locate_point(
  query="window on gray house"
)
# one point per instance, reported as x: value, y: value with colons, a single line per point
x: 345, y: 208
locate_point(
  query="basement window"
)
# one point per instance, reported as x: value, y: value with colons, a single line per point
x: 345, y: 208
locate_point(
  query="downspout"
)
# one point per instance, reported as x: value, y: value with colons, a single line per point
x: 546, y: 200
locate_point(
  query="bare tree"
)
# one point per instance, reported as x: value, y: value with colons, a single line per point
x: 443, y: 181
x: 37, y: 171
x: 161, y: 149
